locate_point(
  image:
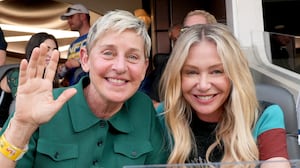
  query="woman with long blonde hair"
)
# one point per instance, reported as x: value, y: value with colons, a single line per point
x: 210, y: 105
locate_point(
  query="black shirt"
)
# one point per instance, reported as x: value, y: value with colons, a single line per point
x: 205, y: 135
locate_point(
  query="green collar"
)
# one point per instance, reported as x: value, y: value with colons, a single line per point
x: 83, y: 118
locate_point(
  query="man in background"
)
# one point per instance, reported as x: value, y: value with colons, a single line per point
x: 3, y: 47
x: 174, y: 32
x: 78, y: 18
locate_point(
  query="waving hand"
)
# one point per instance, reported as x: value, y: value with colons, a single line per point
x: 35, y: 104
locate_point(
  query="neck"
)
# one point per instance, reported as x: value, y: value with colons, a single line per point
x: 101, y: 108
x: 84, y: 30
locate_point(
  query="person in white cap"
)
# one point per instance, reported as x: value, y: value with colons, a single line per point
x: 78, y: 19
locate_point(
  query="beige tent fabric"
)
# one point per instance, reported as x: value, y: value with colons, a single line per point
x: 36, y: 14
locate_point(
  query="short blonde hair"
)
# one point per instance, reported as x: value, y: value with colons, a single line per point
x: 119, y: 21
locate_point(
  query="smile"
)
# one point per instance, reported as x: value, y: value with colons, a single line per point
x: 205, y: 97
x: 117, y: 81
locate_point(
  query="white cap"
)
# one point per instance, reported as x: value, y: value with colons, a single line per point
x: 76, y: 8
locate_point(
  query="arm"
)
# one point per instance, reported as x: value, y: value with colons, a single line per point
x: 72, y: 63
x: 271, y: 139
x: 2, y: 57
x: 276, y: 162
x: 34, y: 102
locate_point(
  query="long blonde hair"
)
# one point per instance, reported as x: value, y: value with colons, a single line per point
x: 234, y: 129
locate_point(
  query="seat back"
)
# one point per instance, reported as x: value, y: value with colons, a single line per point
x: 282, y: 97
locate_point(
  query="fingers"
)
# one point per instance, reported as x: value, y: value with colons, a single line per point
x: 22, y: 74
x: 32, y: 63
x: 41, y: 64
x: 52, y: 66
x: 37, y: 62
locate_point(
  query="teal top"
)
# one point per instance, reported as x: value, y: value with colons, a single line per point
x: 76, y: 138
x: 271, y: 118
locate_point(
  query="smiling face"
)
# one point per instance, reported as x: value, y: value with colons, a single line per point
x: 205, y: 85
x: 116, y: 65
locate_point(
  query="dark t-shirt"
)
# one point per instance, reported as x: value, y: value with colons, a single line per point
x: 5, y: 101
x: 205, y: 135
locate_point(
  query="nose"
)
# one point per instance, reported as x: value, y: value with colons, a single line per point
x: 204, y: 83
x: 119, y: 64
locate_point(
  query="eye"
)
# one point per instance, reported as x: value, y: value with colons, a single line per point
x: 133, y: 58
x: 217, y: 71
x: 189, y: 72
x: 108, y: 53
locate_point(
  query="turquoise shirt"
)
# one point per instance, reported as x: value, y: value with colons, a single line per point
x: 76, y: 138
x: 271, y: 118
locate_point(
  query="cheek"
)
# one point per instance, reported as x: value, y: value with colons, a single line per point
x: 140, y: 71
x: 186, y: 85
x: 97, y: 66
x: 225, y: 85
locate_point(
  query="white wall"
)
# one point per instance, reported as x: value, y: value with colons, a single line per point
x: 245, y: 18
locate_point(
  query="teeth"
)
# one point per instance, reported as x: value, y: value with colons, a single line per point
x: 119, y: 81
x: 204, y: 97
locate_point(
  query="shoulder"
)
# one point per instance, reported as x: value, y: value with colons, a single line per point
x: 160, y: 108
x: 141, y: 106
x: 81, y: 38
x: 13, y: 79
x: 271, y: 118
x: 5, y: 69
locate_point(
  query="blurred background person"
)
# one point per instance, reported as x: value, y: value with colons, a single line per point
x: 10, y: 73
x: 78, y: 18
x: 151, y: 82
x: 174, y: 33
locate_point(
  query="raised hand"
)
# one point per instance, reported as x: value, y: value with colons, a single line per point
x: 35, y: 104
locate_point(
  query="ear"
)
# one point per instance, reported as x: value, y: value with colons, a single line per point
x: 84, y: 59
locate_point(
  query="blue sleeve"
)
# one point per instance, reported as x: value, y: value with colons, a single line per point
x: 272, y: 117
